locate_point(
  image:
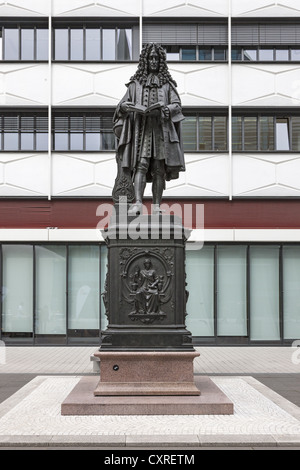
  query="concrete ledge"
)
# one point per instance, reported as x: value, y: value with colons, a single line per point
x: 153, y: 441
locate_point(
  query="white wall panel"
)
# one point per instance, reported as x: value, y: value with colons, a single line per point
x: 266, y: 175
x: 265, y: 8
x: 205, y: 176
x: 24, y: 174
x: 265, y: 85
x: 96, y: 8
x: 23, y: 84
x: 193, y: 8
x: 201, y: 85
x: 104, y: 84
x: 82, y: 174
x: 28, y: 8
x: 90, y: 84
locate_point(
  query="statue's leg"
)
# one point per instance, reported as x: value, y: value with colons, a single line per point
x: 139, y: 186
x: 158, y: 185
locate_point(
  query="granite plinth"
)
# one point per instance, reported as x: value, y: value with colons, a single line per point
x: 146, y: 373
x: 81, y: 401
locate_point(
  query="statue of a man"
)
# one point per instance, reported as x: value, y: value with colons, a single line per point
x: 147, y: 123
x: 147, y: 294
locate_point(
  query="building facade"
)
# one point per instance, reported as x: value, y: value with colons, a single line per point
x: 63, y: 69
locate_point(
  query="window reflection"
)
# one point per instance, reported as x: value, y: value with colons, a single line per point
x: 76, y: 38
x: 189, y: 129
x: 205, y: 133
x: 250, y: 54
x: 266, y: 133
x: 220, y: 133
x: 61, y: 44
x: 27, y: 44
x: 76, y: 141
x: 295, y: 54
x: 61, y: 141
x: 173, y: 52
x: 296, y: 133
x: 282, y: 134
x: 109, y: 44
x: 92, y: 51
x: 236, y: 53
x: 250, y: 133
x: 282, y: 54
x: 124, y: 44
x: 219, y: 53
x: 42, y: 39
x: 205, y: 53
x: 11, y: 44
x: 189, y: 53
x: 236, y: 133
x: 266, y: 54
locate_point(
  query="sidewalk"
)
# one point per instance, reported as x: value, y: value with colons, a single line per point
x: 212, y: 360
x: 262, y: 417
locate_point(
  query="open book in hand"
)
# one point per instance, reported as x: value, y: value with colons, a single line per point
x: 139, y: 108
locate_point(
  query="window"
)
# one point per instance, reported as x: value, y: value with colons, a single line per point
x: 24, y: 131
x: 243, y: 292
x: 295, y: 123
x: 264, y: 296
x: 232, y: 299
x: 83, y: 132
x: 50, y: 293
x: 22, y: 42
x: 189, y: 41
x: 193, y: 53
x: 250, y: 133
x: 282, y: 134
x: 250, y: 54
x: 17, y: 301
x: 265, y: 41
x: 265, y: 54
x: 266, y: 133
x: 204, y: 133
x: 93, y: 43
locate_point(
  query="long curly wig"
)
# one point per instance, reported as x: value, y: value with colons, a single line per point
x: 142, y: 73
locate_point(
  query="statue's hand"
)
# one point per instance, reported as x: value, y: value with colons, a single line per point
x: 166, y: 112
x: 126, y: 106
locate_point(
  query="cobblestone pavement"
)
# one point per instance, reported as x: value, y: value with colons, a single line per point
x: 30, y: 412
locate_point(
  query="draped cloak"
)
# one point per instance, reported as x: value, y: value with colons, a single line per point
x: 128, y: 128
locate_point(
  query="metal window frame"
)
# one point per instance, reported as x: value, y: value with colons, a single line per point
x: 83, y: 26
x: 214, y: 340
x: 69, y: 113
x: 35, y: 336
x: 19, y: 114
x: 18, y: 24
x: 246, y: 340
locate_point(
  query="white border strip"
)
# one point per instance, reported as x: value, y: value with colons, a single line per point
x: 94, y: 235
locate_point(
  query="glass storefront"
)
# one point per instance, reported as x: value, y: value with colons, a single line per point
x: 238, y: 293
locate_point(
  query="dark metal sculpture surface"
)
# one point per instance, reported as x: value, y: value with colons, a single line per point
x: 147, y: 123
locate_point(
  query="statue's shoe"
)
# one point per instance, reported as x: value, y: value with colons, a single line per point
x: 156, y: 209
x: 135, y: 209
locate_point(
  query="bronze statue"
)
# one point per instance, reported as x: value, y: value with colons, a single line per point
x: 147, y: 124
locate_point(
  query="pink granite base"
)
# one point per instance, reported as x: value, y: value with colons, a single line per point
x: 81, y: 401
x: 146, y: 373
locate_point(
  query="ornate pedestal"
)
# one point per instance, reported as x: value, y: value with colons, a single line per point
x: 146, y: 355
x: 145, y: 290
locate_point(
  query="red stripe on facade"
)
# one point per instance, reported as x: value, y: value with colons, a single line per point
x: 218, y: 214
